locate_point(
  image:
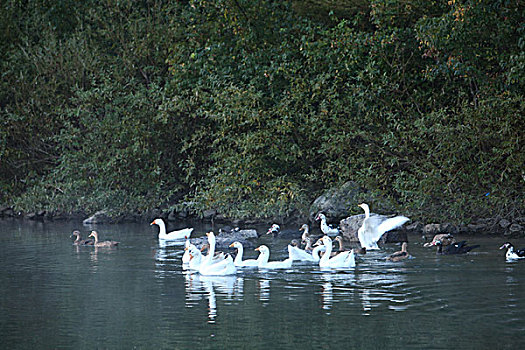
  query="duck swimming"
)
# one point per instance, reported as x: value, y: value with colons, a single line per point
x: 186, y: 255
x: 325, y: 228
x: 341, y: 260
x: 275, y: 231
x: 174, y: 235
x: 513, y: 254
x: 79, y: 240
x: 445, y: 239
x: 297, y: 254
x: 374, y: 227
x: 455, y: 248
x: 400, y: 255
x: 98, y: 243
x: 264, y: 256
x: 238, y: 259
x: 211, y: 267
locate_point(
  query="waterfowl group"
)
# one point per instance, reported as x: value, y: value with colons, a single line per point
x: 454, y: 248
x: 211, y: 267
x: 297, y: 254
x: 78, y: 239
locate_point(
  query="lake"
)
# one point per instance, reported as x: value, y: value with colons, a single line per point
x: 56, y: 295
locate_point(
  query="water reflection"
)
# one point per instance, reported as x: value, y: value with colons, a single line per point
x: 264, y: 291
x: 209, y: 287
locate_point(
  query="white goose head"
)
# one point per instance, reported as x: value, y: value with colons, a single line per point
x: 365, y: 208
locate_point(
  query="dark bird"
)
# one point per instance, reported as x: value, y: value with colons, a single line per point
x: 454, y: 248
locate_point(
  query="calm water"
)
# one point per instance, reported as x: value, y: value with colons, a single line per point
x: 56, y: 295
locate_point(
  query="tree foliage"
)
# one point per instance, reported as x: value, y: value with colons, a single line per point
x: 253, y: 108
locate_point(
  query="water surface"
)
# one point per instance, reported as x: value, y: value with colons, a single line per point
x: 56, y: 295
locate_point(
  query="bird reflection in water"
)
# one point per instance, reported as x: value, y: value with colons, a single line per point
x: 211, y: 287
x: 264, y: 291
x: 327, y: 295
x: 337, y: 280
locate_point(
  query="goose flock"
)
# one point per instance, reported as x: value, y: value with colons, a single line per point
x: 321, y: 252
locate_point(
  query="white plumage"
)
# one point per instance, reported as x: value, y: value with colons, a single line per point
x: 210, y: 267
x: 264, y: 256
x: 238, y: 259
x: 374, y: 227
x: 174, y: 235
x: 325, y: 228
x: 341, y: 260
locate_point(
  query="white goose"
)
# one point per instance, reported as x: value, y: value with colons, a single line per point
x: 221, y: 268
x: 325, y: 228
x: 238, y: 259
x: 264, y: 256
x: 374, y: 227
x: 186, y: 255
x: 195, y: 258
x: 174, y: 235
x: 297, y: 254
x: 341, y: 260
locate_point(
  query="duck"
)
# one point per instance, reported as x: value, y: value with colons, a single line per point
x: 306, y: 232
x: 174, y: 235
x: 325, y: 228
x: 211, y: 267
x: 238, y: 259
x: 342, y: 260
x: 194, y: 258
x: 264, y: 256
x: 445, y: 239
x: 94, y: 234
x: 374, y: 227
x: 275, y: 231
x: 513, y: 254
x: 297, y: 254
x: 340, y: 240
x: 186, y: 255
x: 454, y: 248
x: 79, y: 240
x: 400, y: 255
x: 217, y: 256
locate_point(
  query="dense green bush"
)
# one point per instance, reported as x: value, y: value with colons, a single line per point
x: 253, y: 108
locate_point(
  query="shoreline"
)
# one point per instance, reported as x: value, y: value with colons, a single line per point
x: 492, y: 226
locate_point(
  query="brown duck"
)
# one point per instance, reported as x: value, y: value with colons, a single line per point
x: 97, y: 243
x: 445, y: 239
x: 340, y: 240
x: 400, y: 255
x: 79, y: 240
